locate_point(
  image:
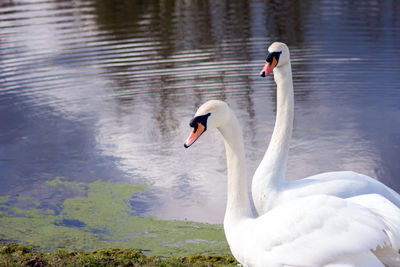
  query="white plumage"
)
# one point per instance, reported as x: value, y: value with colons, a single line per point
x: 311, y: 231
x: 316, y: 230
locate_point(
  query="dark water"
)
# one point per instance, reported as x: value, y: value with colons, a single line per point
x: 105, y: 90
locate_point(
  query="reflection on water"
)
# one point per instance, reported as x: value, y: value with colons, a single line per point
x: 105, y: 90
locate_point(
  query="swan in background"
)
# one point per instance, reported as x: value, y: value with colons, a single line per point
x: 317, y: 230
x: 269, y: 185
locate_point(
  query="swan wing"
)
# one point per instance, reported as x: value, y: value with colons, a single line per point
x: 386, y: 211
x: 390, y: 215
x: 343, y: 184
x: 314, y: 231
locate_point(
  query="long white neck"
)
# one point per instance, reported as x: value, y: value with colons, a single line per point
x: 238, y: 204
x: 271, y: 173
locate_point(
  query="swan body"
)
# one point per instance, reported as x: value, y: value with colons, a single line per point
x: 317, y: 230
x: 269, y: 185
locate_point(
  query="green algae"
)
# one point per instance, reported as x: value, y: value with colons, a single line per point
x: 62, y: 183
x: 3, y: 201
x: 97, y: 215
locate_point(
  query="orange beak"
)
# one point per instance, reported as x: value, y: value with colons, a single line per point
x: 194, y: 135
x: 268, y: 68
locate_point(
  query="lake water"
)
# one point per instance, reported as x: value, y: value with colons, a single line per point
x: 104, y: 90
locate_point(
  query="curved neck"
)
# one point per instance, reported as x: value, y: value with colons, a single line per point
x: 272, y: 170
x: 279, y: 144
x: 238, y: 202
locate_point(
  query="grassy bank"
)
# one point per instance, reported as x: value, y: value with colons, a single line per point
x: 12, y: 254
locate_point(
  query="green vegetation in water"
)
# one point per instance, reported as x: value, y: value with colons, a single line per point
x: 97, y: 216
x: 12, y: 254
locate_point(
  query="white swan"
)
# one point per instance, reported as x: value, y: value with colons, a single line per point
x: 317, y: 230
x: 269, y: 186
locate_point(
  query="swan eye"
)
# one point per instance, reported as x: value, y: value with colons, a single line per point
x: 202, y: 119
x: 273, y: 55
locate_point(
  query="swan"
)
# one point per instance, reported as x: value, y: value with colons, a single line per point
x: 317, y: 230
x: 269, y: 187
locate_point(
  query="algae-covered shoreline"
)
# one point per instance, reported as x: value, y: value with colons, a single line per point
x: 91, y: 221
x: 12, y: 254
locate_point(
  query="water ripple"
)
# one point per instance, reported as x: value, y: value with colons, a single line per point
x: 108, y: 89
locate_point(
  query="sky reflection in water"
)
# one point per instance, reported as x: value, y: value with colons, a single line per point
x: 96, y: 90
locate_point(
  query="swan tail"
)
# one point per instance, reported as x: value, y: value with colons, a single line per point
x: 388, y: 256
